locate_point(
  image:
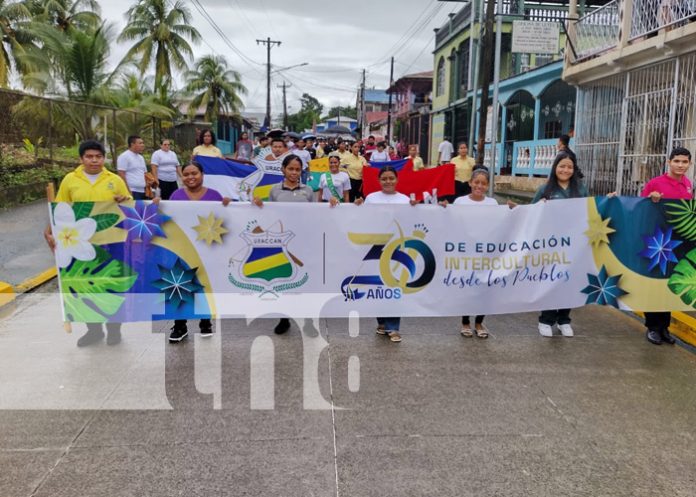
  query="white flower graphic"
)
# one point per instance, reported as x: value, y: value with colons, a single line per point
x: 72, y: 237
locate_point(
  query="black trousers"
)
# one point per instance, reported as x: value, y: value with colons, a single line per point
x: 555, y: 316
x: 167, y: 188
x: 657, y: 321
x: 355, y: 189
x: 478, y: 320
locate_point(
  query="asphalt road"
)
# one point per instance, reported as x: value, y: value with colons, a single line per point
x: 23, y: 251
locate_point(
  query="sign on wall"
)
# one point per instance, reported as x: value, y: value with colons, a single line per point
x: 536, y: 37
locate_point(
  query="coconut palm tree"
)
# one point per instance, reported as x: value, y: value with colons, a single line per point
x: 214, y: 86
x: 72, y: 62
x: 15, y: 39
x: 66, y: 14
x: 161, y: 30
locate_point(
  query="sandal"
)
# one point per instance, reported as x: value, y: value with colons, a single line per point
x: 394, y: 336
x: 482, y: 333
x: 381, y: 330
x: 467, y: 332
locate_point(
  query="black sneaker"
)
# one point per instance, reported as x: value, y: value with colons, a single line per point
x: 654, y: 336
x: 666, y: 337
x: 94, y: 335
x: 282, y: 326
x: 206, y: 328
x: 179, y: 332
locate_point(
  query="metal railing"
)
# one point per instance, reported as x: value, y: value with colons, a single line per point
x: 597, y: 31
x: 649, y: 16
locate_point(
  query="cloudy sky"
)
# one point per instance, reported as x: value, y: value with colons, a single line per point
x: 338, y: 39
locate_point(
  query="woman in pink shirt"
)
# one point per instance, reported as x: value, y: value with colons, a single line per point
x: 673, y: 185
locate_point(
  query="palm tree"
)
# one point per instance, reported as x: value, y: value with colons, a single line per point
x: 214, y: 86
x: 161, y: 30
x: 15, y: 39
x: 66, y: 14
x: 73, y: 62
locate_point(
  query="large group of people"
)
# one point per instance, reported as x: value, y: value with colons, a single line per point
x: 91, y: 181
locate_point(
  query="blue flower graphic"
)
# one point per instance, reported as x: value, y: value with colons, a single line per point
x: 178, y: 284
x: 603, y: 289
x: 659, y: 248
x: 143, y: 222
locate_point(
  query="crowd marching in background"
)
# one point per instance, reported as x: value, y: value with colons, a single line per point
x: 341, y: 184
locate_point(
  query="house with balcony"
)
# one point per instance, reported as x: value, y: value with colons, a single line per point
x: 634, y: 65
x: 411, y: 111
x: 535, y: 105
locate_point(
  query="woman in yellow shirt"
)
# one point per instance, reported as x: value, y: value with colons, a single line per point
x: 353, y: 164
x: 207, y: 147
x: 413, y: 155
x: 463, y: 167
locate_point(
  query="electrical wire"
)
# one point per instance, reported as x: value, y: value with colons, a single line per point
x: 201, y: 9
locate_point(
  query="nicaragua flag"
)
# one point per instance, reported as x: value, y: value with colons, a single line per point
x: 238, y: 180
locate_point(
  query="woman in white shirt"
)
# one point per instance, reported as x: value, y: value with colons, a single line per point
x: 166, y: 169
x: 387, y: 180
x: 479, y: 188
x: 334, y: 186
x: 381, y: 154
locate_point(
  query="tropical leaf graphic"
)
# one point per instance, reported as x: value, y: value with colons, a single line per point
x: 105, y: 221
x: 683, y: 280
x: 82, y: 209
x: 90, y: 289
x: 682, y: 215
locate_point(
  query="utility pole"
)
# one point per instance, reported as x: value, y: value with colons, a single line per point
x: 486, y: 66
x: 284, y: 86
x: 361, y: 106
x: 269, y: 44
x: 391, y: 82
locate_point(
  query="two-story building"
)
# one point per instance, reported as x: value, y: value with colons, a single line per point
x: 535, y: 105
x: 411, y: 110
x: 634, y: 64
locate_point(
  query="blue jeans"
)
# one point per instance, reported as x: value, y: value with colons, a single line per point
x: 390, y: 324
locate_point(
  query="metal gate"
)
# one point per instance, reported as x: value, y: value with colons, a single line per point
x: 628, y: 124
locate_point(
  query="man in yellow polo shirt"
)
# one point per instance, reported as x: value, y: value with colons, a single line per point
x: 90, y: 182
x: 353, y: 164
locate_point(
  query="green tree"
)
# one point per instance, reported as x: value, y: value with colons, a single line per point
x: 73, y: 62
x: 214, y: 86
x: 309, y: 113
x: 346, y: 111
x: 65, y: 15
x: 161, y: 31
x: 14, y: 17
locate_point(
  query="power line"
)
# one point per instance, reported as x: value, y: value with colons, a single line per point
x: 417, y: 21
x: 201, y: 9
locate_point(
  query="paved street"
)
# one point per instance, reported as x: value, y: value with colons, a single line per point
x: 23, y: 251
x: 601, y: 414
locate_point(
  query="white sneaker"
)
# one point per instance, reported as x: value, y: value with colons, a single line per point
x: 545, y: 330
x: 566, y: 330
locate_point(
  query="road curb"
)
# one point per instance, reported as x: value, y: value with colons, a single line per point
x: 684, y: 328
x: 34, y: 281
x: 7, y: 293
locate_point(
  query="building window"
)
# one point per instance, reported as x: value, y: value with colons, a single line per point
x: 440, y: 90
x: 463, y: 69
x: 453, y: 88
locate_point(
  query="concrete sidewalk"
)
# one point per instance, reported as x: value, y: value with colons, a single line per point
x: 601, y: 414
x: 23, y: 251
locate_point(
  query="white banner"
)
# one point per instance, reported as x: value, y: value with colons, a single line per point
x: 309, y: 260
